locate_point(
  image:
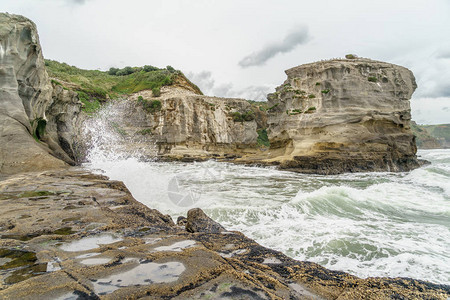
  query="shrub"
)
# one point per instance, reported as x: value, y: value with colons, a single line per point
x: 325, y: 91
x: 147, y: 68
x: 310, y: 110
x: 152, y: 106
x: 244, y: 117
x: 311, y: 96
x: 156, y: 92
x: 125, y: 71
x: 263, y: 139
x: 140, y: 99
x: 317, y: 83
x: 170, y: 69
x: 113, y: 71
x: 351, y: 56
x: 372, y: 79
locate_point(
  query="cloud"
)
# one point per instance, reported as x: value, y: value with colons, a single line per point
x: 77, y: 1
x: 203, y: 80
x: 207, y: 84
x: 297, y: 37
x: 444, y: 54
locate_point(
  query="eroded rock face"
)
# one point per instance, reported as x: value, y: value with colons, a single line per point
x: 185, y: 125
x: 25, y: 96
x: 62, y: 125
x: 344, y: 116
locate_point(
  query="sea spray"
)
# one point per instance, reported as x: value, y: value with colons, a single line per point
x: 107, y: 138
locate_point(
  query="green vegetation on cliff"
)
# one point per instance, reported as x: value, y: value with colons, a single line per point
x: 431, y: 136
x: 94, y: 86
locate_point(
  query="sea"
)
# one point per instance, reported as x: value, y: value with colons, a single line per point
x: 366, y: 224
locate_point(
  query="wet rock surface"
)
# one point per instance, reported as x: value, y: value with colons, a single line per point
x: 74, y: 235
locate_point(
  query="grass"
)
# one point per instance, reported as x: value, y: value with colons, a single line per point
x: 372, y: 79
x: 152, y: 106
x: 325, y: 91
x: 95, y: 87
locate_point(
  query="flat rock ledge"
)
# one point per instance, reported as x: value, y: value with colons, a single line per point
x: 74, y: 235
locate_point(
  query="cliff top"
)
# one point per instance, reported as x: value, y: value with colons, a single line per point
x: 94, y: 86
x: 341, y: 61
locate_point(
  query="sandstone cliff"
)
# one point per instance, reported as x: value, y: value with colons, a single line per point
x: 25, y: 97
x: 347, y: 115
x: 181, y: 124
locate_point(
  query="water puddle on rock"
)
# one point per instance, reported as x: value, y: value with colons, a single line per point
x: 145, y: 273
x: 271, y: 260
x: 87, y: 255
x: 177, y: 247
x: 233, y: 253
x: 54, y: 265
x: 90, y: 242
x: 95, y: 261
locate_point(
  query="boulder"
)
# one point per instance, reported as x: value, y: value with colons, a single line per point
x: 198, y: 221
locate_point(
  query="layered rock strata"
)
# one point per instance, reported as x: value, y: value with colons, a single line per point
x: 183, y: 125
x: 71, y: 234
x: 343, y: 115
x: 25, y: 97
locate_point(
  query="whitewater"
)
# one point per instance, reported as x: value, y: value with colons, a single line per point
x: 367, y: 224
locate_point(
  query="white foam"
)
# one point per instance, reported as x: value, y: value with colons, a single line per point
x: 369, y: 224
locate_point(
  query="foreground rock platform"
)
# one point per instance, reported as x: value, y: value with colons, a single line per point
x: 74, y: 235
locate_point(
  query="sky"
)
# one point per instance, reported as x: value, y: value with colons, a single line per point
x: 233, y: 48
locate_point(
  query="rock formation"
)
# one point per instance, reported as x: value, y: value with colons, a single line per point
x: 343, y: 115
x: 25, y: 97
x: 181, y: 124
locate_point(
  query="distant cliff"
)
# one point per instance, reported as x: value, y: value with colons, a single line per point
x: 431, y: 136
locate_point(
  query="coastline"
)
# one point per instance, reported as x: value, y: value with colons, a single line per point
x: 45, y: 212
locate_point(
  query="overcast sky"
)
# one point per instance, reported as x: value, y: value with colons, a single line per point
x: 241, y: 48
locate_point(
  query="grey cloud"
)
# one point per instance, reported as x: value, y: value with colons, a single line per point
x: 446, y: 108
x: 444, y: 54
x: 298, y: 37
x: 203, y: 80
x: 257, y: 93
x: 207, y: 84
x: 442, y: 90
x: 77, y: 1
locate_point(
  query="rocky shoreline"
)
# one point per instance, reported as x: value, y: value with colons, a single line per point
x: 74, y: 234
x: 70, y: 234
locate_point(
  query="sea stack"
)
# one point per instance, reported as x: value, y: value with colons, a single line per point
x: 343, y: 115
